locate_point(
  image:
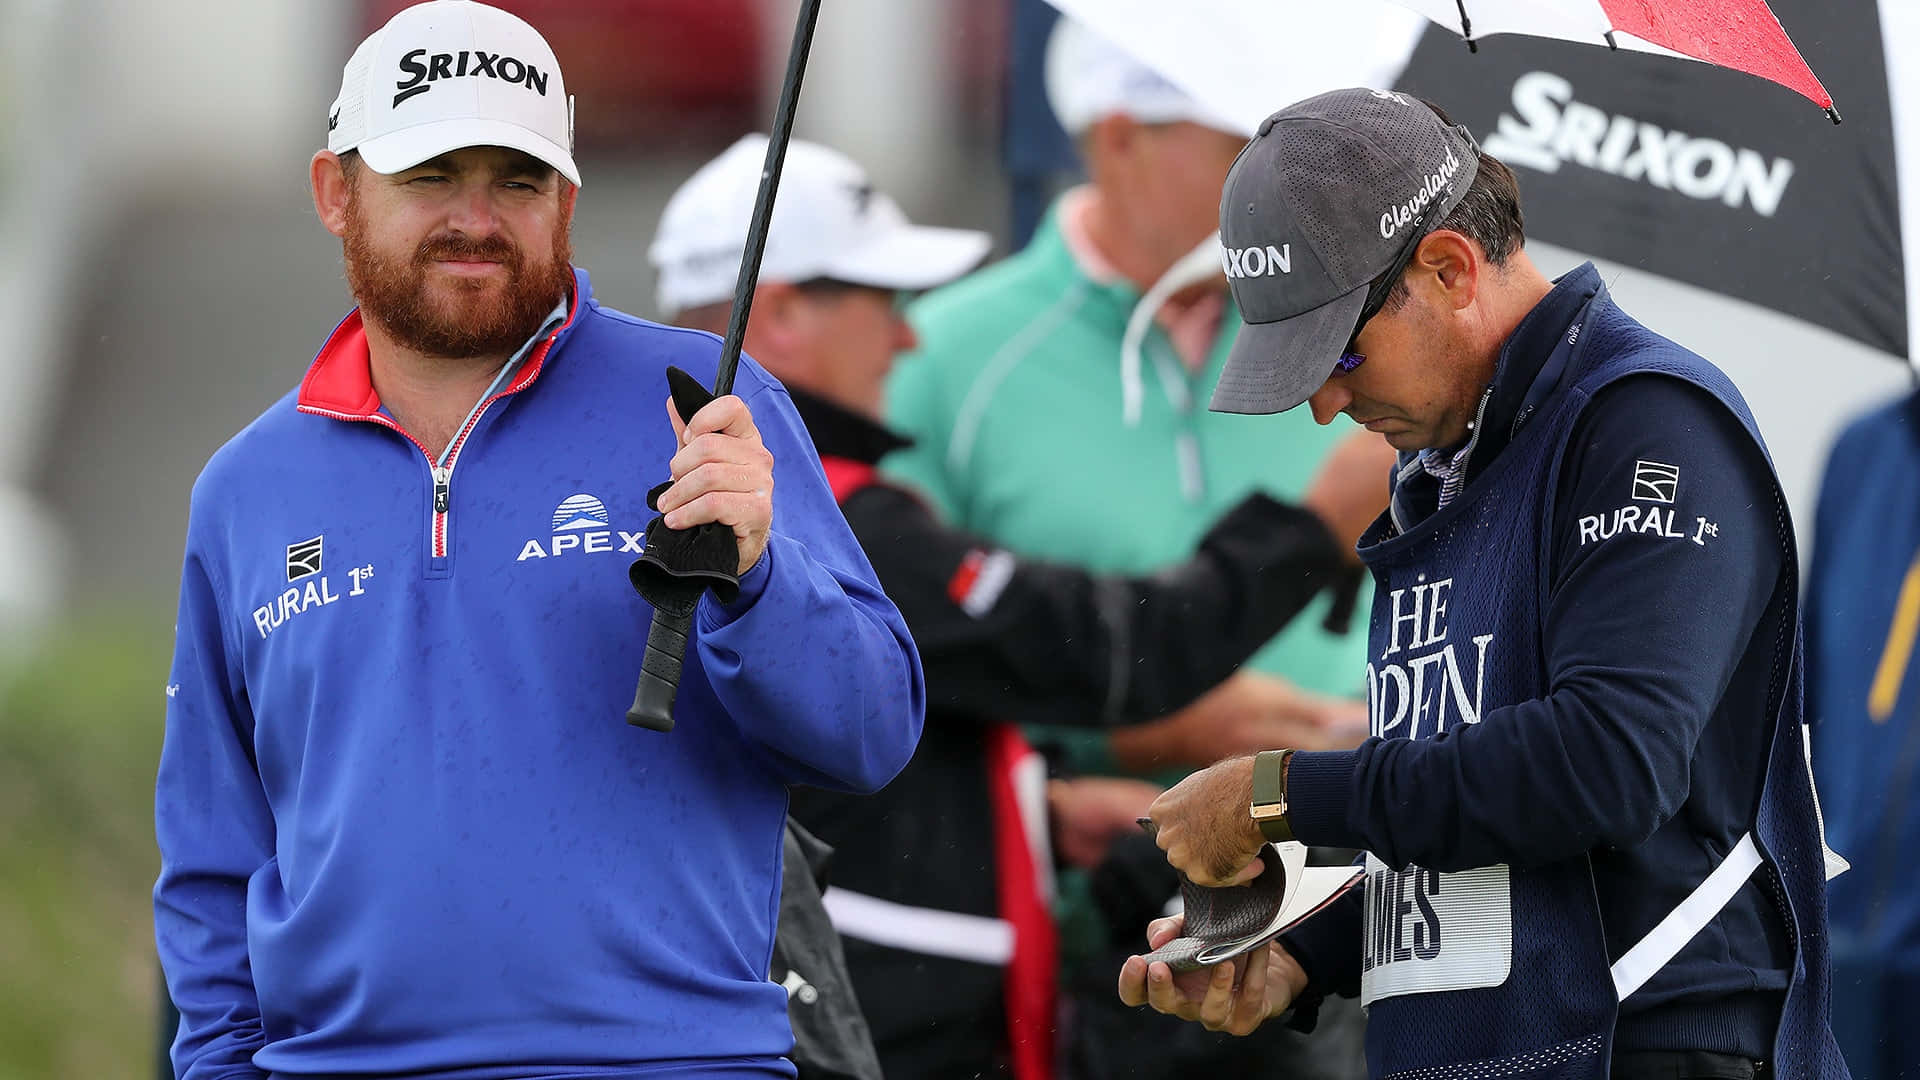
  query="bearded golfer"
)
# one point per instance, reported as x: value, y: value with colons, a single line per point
x: 1593, y: 842
x: 404, y: 829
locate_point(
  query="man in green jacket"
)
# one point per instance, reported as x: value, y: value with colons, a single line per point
x: 1038, y: 423
x: 1058, y: 404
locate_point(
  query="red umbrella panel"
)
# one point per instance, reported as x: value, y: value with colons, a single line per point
x: 1742, y: 35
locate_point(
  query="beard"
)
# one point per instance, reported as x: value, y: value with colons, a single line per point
x: 463, y: 317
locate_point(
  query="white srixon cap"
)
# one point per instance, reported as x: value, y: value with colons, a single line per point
x: 449, y: 74
x: 828, y: 222
x: 1090, y: 78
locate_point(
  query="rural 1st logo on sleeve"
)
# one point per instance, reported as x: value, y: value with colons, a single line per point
x: 1650, y: 510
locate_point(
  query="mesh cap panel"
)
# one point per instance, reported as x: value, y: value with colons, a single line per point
x: 1344, y: 176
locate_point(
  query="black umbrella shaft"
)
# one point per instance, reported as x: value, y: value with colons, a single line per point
x: 763, y: 203
x: 667, y: 636
x: 1466, y: 26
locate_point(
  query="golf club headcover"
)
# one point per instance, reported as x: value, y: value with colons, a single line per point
x: 690, y: 395
x: 1218, y: 916
x: 678, y: 564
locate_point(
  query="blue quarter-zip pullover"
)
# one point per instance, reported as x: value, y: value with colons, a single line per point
x: 404, y: 828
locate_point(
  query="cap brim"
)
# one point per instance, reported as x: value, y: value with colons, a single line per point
x: 1275, y: 366
x: 911, y: 257
x: 399, y: 150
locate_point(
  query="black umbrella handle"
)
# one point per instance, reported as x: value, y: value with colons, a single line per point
x: 667, y: 637
x: 660, y: 670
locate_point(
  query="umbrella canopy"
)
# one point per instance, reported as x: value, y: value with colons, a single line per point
x: 1742, y: 35
x: 1699, y: 174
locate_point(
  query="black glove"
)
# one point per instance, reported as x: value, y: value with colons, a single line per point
x: 677, y: 565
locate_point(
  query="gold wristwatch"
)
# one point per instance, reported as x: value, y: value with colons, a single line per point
x: 1269, y: 808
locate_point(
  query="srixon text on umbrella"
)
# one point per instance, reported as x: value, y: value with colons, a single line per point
x: 1552, y: 128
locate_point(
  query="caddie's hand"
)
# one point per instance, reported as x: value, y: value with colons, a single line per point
x: 721, y: 473
x: 1204, y: 826
x: 1221, y: 997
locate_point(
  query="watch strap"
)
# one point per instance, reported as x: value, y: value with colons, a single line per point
x: 1269, y: 808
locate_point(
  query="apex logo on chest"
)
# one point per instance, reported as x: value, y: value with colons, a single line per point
x: 581, y: 524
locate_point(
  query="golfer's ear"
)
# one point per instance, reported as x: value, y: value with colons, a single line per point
x: 330, y: 191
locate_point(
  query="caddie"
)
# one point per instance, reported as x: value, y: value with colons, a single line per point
x: 1593, y: 843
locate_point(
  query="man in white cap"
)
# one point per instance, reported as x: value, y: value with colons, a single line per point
x: 403, y: 828
x: 949, y: 939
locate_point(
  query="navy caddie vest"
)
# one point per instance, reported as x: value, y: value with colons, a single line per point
x: 1504, y: 971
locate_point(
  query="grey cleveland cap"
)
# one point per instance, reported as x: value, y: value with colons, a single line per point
x: 1332, y: 193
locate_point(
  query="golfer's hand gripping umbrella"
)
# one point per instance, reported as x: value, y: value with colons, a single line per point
x: 681, y: 564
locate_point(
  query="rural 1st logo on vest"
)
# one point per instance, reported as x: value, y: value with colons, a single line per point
x: 1427, y: 930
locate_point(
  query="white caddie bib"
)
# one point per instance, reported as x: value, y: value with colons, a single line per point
x: 1428, y: 931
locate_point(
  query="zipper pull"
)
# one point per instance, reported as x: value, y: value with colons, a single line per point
x: 442, y: 490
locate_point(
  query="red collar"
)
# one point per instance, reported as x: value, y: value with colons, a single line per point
x: 340, y: 383
x: 846, y: 475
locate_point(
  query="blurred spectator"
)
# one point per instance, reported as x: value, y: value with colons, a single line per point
x: 1863, y: 695
x: 1034, y: 427
x: 1035, y: 424
x: 934, y: 884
